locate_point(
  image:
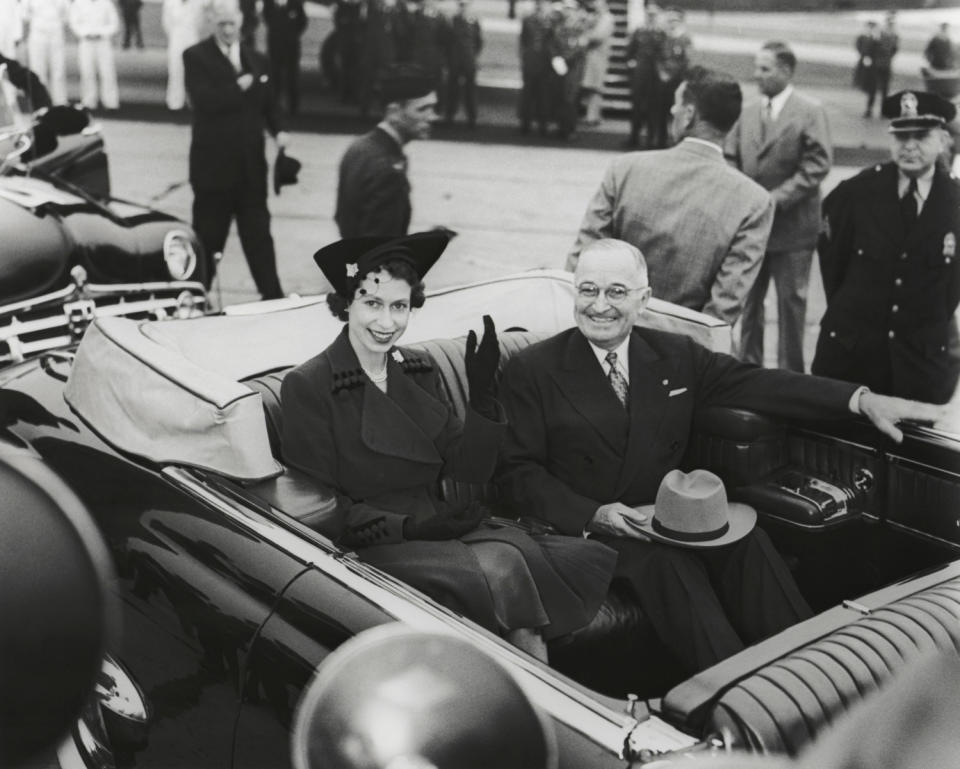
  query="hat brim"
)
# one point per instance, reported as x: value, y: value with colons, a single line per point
x: 741, y: 521
x: 911, y: 125
x: 421, y: 250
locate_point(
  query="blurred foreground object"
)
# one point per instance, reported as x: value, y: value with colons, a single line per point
x: 393, y: 697
x: 55, y: 612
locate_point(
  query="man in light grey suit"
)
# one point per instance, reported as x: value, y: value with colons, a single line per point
x: 783, y: 142
x: 701, y: 224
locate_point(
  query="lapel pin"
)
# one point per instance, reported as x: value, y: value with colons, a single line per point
x: 397, y: 356
x: 666, y: 382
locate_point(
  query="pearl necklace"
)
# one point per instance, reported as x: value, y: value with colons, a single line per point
x: 377, y: 378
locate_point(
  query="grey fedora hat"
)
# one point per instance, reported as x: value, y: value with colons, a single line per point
x: 692, y: 511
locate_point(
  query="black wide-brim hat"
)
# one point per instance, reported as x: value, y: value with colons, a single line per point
x: 356, y: 257
x: 285, y: 171
x: 917, y: 111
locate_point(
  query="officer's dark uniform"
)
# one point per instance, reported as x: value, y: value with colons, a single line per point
x: 892, y: 293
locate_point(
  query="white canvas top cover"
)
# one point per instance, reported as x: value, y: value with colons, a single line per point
x: 152, y: 402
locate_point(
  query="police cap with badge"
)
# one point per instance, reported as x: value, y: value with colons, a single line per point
x: 910, y: 111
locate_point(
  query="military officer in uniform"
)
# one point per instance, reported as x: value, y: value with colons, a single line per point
x: 373, y: 195
x: 888, y: 255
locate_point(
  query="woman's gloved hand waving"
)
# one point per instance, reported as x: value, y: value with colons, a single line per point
x: 481, y: 363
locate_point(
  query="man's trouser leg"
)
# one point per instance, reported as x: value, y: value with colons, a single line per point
x: 212, y: 212
x: 87, y: 55
x: 176, y: 89
x: 58, y: 71
x: 759, y: 594
x: 753, y: 318
x: 791, y: 274
x: 253, y: 227
x: 107, y: 70
x: 673, y: 587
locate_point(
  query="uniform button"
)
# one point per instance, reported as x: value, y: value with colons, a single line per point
x: 860, y: 252
x: 948, y: 260
x: 943, y: 348
x: 898, y: 282
x: 891, y: 334
x: 903, y: 255
x: 895, y: 308
x: 833, y: 334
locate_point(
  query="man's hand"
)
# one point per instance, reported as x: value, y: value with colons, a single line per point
x: 245, y: 81
x: 886, y: 412
x: 613, y: 519
x: 282, y: 140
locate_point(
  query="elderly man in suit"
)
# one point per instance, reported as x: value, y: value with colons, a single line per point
x: 782, y: 141
x: 233, y: 104
x: 373, y: 196
x: 888, y: 256
x: 702, y: 225
x: 601, y: 413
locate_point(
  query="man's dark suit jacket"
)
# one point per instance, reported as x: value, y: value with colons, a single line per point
x: 227, y: 147
x: 373, y: 197
x: 571, y: 448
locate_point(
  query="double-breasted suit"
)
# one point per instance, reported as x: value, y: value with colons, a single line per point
x: 789, y: 156
x: 384, y: 452
x: 373, y: 195
x: 701, y: 225
x: 228, y: 169
x: 891, y: 295
x: 571, y: 447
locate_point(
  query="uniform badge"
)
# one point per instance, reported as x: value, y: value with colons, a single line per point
x: 949, y: 245
x: 352, y: 270
x: 908, y: 105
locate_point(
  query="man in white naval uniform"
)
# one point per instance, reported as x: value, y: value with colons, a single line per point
x: 45, y: 44
x: 183, y: 22
x: 11, y: 30
x: 95, y: 22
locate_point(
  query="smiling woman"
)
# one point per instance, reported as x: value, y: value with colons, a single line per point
x: 368, y: 420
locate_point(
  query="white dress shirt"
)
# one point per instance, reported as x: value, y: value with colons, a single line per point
x: 774, y: 104
x: 924, y: 183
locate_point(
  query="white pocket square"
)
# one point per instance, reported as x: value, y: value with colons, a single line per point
x: 678, y: 391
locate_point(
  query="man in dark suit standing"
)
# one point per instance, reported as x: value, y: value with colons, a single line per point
x: 286, y: 21
x: 233, y: 103
x: 891, y: 271
x: 599, y: 414
x: 373, y: 196
x: 782, y: 142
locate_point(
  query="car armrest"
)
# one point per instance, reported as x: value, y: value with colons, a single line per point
x: 300, y: 496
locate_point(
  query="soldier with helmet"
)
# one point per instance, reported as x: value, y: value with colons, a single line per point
x: 891, y: 272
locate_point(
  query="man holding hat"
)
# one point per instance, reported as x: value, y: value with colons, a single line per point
x: 373, y: 195
x: 599, y: 419
x: 888, y: 255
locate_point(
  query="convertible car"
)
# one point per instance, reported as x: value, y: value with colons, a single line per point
x: 68, y: 250
x: 234, y: 588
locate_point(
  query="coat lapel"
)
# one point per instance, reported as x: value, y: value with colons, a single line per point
x: 776, y: 127
x: 582, y: 381
x: 402, y: 422
x: 937, y: 209
x: 648, y: 405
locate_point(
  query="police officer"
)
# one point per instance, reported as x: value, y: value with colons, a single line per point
x: 888, y: 255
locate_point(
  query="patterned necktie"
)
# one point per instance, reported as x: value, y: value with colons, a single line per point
x: 617, y: 381
x: 908, y: 206
x: 766, y: 121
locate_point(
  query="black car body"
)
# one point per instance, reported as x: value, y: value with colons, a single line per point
x: 69, y: 251
x: 233, y: 589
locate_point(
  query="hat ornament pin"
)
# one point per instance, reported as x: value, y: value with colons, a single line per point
x: 908, y: 105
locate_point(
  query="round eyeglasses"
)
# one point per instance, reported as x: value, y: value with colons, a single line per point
x: 614, y: 294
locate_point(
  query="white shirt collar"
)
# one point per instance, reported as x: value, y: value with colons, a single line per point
x: 623, y: 357
x: 705, y: 143
x: 924, y: 183
x: 776, y: 102
x: 388, y: 129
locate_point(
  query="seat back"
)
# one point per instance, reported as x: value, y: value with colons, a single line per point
x: 776, y: 696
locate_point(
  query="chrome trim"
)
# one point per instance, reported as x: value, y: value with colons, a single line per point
x: 562, y: 701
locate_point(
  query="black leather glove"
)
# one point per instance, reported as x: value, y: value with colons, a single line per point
x: 481, y: 364
x: 445, y: 525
